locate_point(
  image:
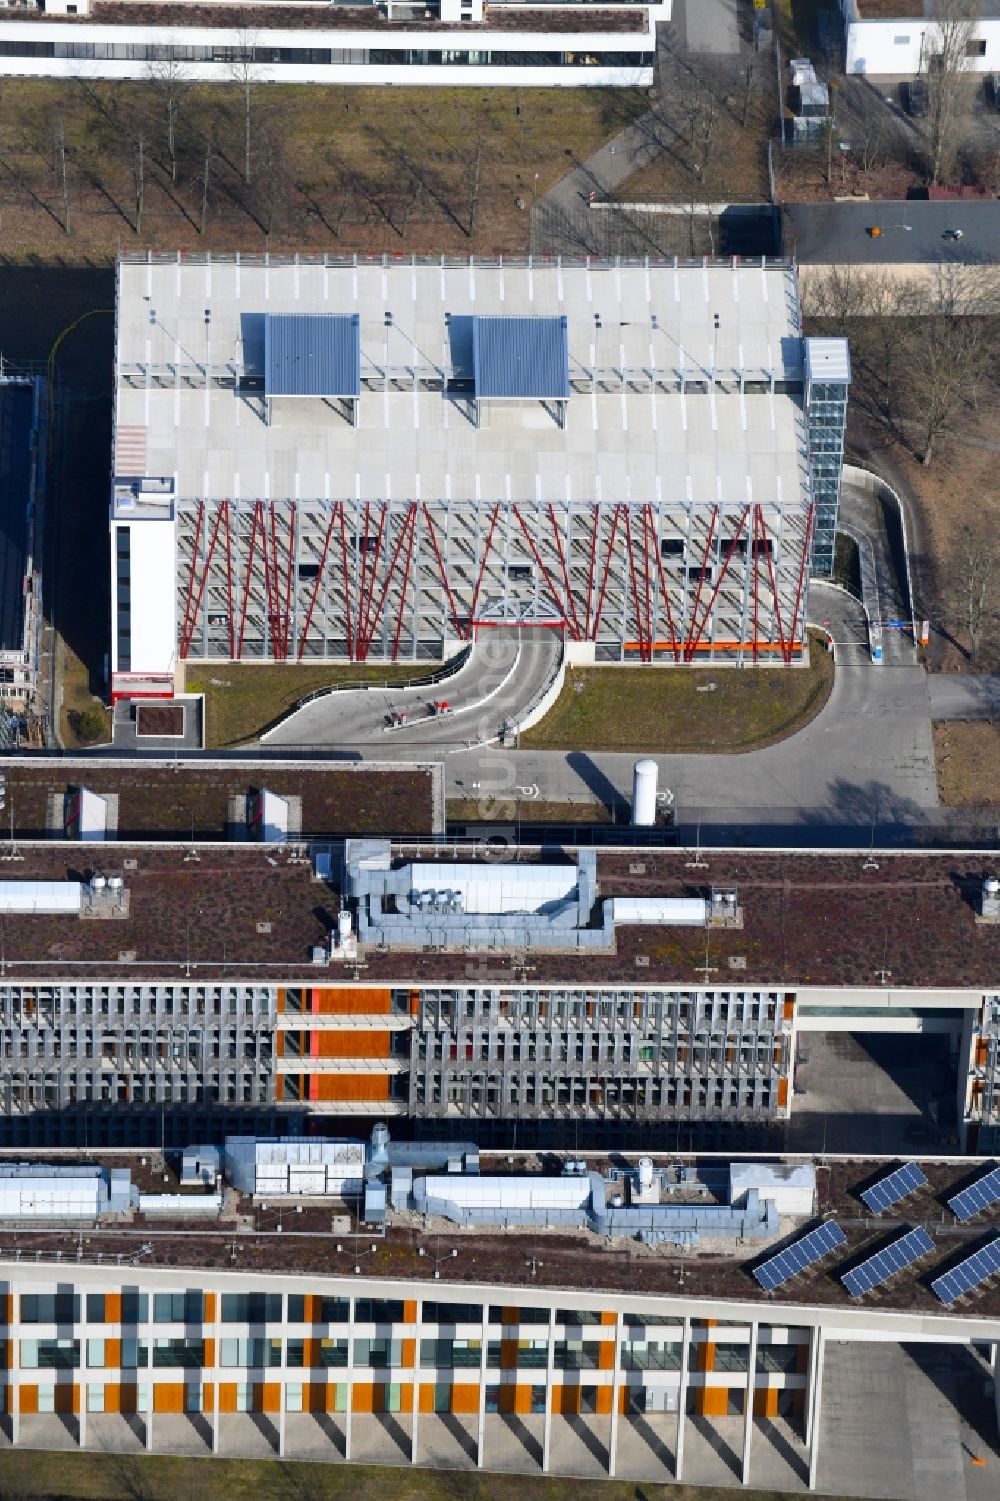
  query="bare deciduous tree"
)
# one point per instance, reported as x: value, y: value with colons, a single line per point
x: 59, y: 148
x: 207, y: 176
x: 947, y: 53
x: 975, y: 573
x: 169, y: 79
x: 245, y: 74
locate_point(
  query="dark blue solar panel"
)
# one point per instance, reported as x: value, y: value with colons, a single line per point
x: 887, y: 1262
x: 520, y: 358
x: 312, y: 354
x: 969, y: 1274
x: 890, y: 1190
x: 799, y: 1255
x: 979, y: 1196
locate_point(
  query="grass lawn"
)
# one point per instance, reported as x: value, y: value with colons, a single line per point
x: 243, y: 698
x: 108, y: 1477
x: 335, y: 168
x: 684, y: 710
x: 501, y: 809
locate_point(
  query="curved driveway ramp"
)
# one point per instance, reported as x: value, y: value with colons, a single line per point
x: 507, y: 670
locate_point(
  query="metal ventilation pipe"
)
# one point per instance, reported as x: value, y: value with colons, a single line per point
x: 644, y: 779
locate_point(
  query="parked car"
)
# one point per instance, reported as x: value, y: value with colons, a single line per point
x: 915, y: 97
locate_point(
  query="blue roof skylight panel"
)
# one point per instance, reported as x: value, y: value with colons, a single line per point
x: 524, y: 359
x: 977, y: 1197
x: 312, y: 354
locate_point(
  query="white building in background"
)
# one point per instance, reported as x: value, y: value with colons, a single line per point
x: 569, y: 43
x: 900, y: 36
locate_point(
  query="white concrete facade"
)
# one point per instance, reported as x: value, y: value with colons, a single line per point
x: 905, y: 45
x: 472, y: 55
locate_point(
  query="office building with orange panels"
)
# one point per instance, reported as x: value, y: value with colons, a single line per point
x: 436, y: 1372
x: 265, y: 990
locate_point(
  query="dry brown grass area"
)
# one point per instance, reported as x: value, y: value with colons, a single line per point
x: 419, y: 170
x: 967, y: 757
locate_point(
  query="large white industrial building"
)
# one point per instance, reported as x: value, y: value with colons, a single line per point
x: 340, y: 458
x: 571, y: 43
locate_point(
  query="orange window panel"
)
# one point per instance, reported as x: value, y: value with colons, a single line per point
x: 408, y: 1353
x: 782, y: 1093
x: 351, y: 1044
x: 465, y: 1398
x: 608, y: 1320
x: 712, y: 1401
x: 211, y: 1308
x: 410, y: 1311
x: 112, y: 1308
x: 604, y: 1399
x: 168, y: 1398
x: 227, y: 1396
x: 350, y: 1000
x: 363, y: 1397
x: 266, y: 1396
x: 28, y: 1399
x: 350, y: 1087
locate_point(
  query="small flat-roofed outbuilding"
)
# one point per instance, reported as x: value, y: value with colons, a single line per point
x: 521, y: 359
x: 313, y: 355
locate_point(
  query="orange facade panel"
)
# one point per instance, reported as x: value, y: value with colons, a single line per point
x: 112, y: 1308
x: 367, y: 1396
x: 782, y: 1093
x: 349, y: 1000
x: 408, y: 1353
x: 266, y: 1396
x: 351, y: 1044
x: 27, y: 1399
x: 168, y: 1398
x: 606, y: 1355
x: 712, y: 1401
x: 465, y: 1398
x: 211, y: 1308
x: 349, y: 1087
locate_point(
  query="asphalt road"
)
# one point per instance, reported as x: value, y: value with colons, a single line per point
x: 504, y: 673
x: 953, y: 696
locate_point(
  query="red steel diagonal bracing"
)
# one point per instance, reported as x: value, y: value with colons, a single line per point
x: 406, y: 581
x: 730, y: 552
x: 361, y: 552
x: 273, y: 573
x: 317, y: 586
x: 777, y: 608
x: 608, y: 556
x: 346, y: 574
x: 482, y: 563
x: 591, y: 569
x: 664, y: 592
x: 541, y: 566
x: 642, y: 623
x: 229, y: 583
x: 459, y: 631
x: 693, y: 632
x: 248, y: 576
x: 286, y: 608
x: 365, y: 624
x: 375, y: 610
x: 755, y: 565
x: 565, y: 571
x: 185, y: 629
x: 806, y: 548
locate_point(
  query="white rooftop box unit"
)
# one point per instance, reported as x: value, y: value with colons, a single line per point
x: 28, y: 898
x: 85, y: 815
x: 267, y: 817
x: 49, y: 1193
x: 295, y: 1168
x: 790, y: 1188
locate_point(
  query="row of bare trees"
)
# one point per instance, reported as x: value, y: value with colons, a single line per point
x: 926, y: 363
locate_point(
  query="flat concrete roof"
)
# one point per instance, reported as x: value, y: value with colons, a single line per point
x: 618, y: 442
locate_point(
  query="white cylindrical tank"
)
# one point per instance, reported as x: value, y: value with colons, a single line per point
x: 991, y: 887
x: 644, y: 794
x: 645, y: 1174
x: 343, y: 925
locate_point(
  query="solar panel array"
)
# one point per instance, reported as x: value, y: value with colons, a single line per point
x: 800, y: 1255
x: 978, y: 1196
x: 887, y: 1262
x: 888, y: 1191
x: 969, y: 1274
